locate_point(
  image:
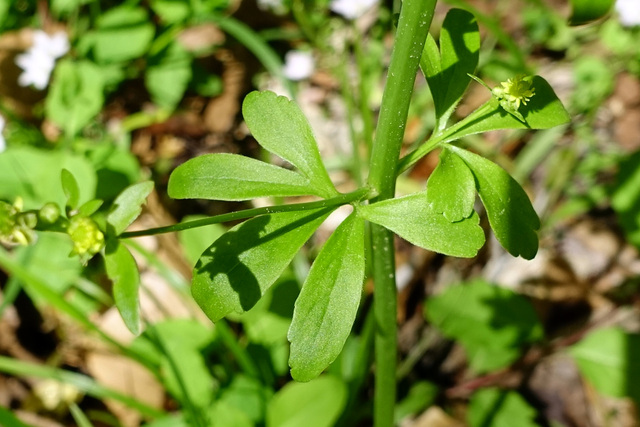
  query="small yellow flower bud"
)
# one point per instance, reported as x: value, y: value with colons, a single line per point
x: 87, y: 238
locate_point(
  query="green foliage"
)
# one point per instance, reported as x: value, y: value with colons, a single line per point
x: 491, y: 323
x: 314, y: 404
x: 607, y: 358
x: 500, y: 408
x: 626, y: 197
x: 594, y: 80
x: 585, y: 11
x: 452, y: 188
x: 34, y: 175
x: 422, y: 394
x: 234, y: 177
x: 123, y: 272
x: 76, y: 95
x: 127, y: 206
x: 70, y: 188
x: 512, y: 218
x: 413, y: 219
x: 195, y: 240
x: 327, y: 305
x: 280, y: 127
x: 122, y: 33
x: 543, y: 111
x: 446, y: 71
x: 168, y: 75
x: 267, y: 323
x: 7, y: 419
x: 237, y: 269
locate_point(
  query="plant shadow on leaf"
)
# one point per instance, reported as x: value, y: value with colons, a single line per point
x: 459, y: 25
x: 226, y: 257
x: 228, y: 249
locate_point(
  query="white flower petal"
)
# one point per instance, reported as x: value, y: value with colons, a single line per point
x: 56, y: 45
x: 37, y: 67
x: 628, y: 12
x: 351, y: 9
x: 298, y: 65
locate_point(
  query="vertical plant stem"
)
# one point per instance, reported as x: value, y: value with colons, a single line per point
x: 413, y: 26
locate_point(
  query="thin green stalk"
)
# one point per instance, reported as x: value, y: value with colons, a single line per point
x: 446, y: 136
x: 242, y: 356
x: 413, y: 26
x: 249, y: 213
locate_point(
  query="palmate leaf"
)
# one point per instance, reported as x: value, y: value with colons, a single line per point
x: 491, y: 323
x: 234, y: 177
x: 451, y: 188
x: 123, y: 272
x: 238, y: 268
x: 446, y: 71
x: 326, y: 308
x: 280, y: 127
x: 543, y: 111
x: 512, y: 218
x: 411, y: 218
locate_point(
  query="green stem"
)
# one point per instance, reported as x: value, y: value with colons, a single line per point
x: 413, y: 26
x: 242, y: 356
x: 447, y: 136
x: 343, y: 199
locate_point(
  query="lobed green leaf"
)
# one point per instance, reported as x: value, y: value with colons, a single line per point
x: 122, y: 270
x: 128, y: 205
x: 326, y: 308
x: 234, y: 177
x: 491, y: 323
x: 238, y: 268
x: 279, y: 126
x: 511, y: 215
x: 414, y: 220
x: 451, y: 188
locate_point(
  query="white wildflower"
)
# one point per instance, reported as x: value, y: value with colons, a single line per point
x: 628, y: 12
x: 298, y: 65
x: 351, y: 9
x: 38, y: 62
x: 3, y: 143
x: 274, y: 5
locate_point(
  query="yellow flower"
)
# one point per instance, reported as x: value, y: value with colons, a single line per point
x: 87, y: 238
x: 514, y: 91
